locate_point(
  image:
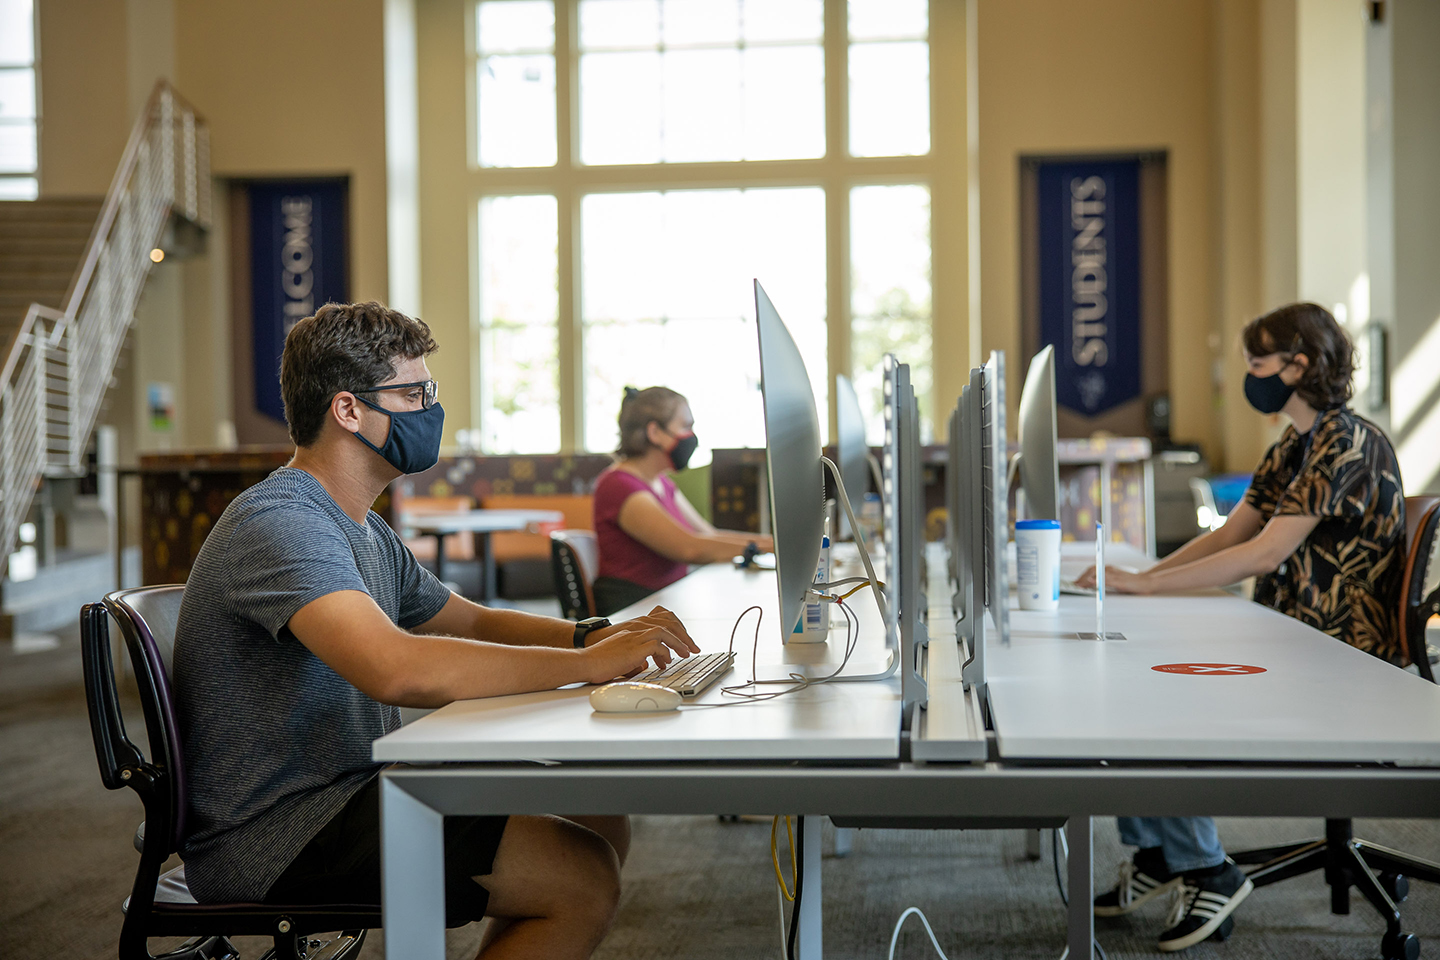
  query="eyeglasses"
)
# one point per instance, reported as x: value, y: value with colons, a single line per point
x: 429, y: 390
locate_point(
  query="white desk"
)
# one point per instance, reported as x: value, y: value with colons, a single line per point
x: 678, y: 775
x: 481, y: 522
x: 1318, y: 700
x: 838, y: 721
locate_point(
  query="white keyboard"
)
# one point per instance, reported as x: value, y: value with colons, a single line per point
x: 1069, y: 587
x: 691, y: 675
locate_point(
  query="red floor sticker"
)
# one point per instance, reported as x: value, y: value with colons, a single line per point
x: 1209, y: 669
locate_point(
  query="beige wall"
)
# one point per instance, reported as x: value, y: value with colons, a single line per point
x: 447, y: 211
x: 1111, y: 75
x: 1330, y: 108
x: 84, y: 95
x: 287, y: 89
x: 1236, y: 39
x: 295, y: 88
x: 1415, y: 390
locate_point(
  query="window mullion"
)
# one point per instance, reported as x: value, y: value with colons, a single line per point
x: 569, y: 334
x: 837, y: 200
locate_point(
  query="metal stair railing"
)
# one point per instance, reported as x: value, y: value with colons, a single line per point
x: 60, y: 363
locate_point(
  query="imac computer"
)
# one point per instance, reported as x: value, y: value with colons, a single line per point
x: 792, y: 449
x: 957, y: 515
x: 985, y: 588
x: 796, y: 479
x: 902, y: 513
x: 851, y: 448
x: 1039, y: 472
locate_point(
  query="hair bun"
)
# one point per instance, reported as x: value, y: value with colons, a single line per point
x: 631, y: 393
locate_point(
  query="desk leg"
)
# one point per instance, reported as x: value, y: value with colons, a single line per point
x: 440, y: 557
x: 487, y: 568
x: 1079, y: 832
x: 412, y: 857
x: 809, y: 945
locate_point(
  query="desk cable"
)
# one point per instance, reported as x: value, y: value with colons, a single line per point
x: 795, y: 682
x: 797, y: 853
x: 844, y: 499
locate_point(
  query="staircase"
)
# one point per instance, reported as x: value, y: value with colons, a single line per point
x: 72, y: 275
x: 42, y: 243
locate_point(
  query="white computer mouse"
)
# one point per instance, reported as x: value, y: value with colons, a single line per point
x: 633, y: 696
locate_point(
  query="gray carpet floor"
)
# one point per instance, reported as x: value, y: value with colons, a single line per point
x: 694, y: 888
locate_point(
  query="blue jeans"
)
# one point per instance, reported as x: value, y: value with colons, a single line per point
x: 1188, y: 843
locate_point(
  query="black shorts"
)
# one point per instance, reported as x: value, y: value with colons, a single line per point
x: 341, y: 863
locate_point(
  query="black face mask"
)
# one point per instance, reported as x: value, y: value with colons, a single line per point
x: 413, y: 443
x: 682, y: 451
x: 1267, y: 394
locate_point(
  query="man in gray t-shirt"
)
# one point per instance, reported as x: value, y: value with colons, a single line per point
x: 306, y: 623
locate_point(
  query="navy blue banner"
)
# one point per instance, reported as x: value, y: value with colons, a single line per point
x: 1089, y: 238
x: 298, y: 261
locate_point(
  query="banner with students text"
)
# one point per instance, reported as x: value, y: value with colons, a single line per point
x: 1089, y: 279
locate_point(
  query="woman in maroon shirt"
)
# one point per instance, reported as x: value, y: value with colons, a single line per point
x: 646, y: 530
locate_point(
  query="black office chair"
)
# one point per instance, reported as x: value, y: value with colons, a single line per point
x: 574, y: 560
x: 161, y: 906
x: 1416, y: 606
x: 1379, y: 873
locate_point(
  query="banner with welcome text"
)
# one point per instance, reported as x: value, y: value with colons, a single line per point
x: 299, y: 260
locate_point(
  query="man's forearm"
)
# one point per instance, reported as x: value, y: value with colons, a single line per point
x: 521, y: 629
x: 438, y: 670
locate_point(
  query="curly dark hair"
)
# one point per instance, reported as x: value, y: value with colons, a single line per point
x: 344, y: 346
x: 1310, y: 329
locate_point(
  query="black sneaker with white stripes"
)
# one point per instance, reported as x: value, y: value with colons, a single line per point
x: 1203, y: 906
x: 1141, y: 880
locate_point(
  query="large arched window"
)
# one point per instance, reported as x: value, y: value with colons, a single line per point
x: 635, y: 163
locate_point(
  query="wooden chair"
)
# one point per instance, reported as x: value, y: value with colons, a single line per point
x: 160, y: 905
x: 575, y: 559
x: 1379, y: 873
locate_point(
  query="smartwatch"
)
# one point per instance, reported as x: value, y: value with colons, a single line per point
x: 583, y: 628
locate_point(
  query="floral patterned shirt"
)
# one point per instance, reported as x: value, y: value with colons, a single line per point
x: 1346, y: 577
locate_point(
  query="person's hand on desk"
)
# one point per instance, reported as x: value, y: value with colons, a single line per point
x: 624, y: 649
x: 1117, y: 580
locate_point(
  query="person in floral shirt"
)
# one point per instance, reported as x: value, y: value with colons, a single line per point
x: 1322, y: 530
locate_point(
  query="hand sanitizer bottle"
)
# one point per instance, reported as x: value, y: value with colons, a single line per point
x: 814, y: 623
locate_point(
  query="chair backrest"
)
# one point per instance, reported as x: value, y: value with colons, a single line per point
x: 147, y: 618
x: 113, y: 750
x: 1422, y: 519
x: 574, y: 559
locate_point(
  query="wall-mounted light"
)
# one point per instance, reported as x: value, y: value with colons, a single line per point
x: 157, y: 255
